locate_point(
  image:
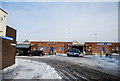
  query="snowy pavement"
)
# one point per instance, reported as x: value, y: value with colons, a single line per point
x: 87, y: 67
x: 27, y: 69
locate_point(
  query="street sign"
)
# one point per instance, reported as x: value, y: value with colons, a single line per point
x: 105, y: 43
x: 7, y: 37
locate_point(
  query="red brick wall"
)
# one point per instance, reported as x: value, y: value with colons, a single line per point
x: 96, y: 49
x: 55, y: 46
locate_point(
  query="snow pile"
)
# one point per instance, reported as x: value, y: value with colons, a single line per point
x: 0, y: 75
x: 62, y: 55
x: 27, y: 69
x: 10, y: 68
x: 102, y: 58
x: 32, y: 56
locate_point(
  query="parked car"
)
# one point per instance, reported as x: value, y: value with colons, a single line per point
x: 74, y: 52
x: 37, y: 53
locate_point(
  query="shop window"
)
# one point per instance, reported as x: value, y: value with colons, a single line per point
x: 59, y: 48
x: 97, y: 47
x: 43, y: 48
x: 36, y: 48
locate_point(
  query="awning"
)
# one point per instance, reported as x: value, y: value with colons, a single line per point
x: 23, y: 46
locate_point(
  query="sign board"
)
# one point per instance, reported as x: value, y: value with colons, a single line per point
x: 68, y: 45
x: 8, y: 38
x: 104, y: 44
x: 3, y: 20
x: 50, y: 43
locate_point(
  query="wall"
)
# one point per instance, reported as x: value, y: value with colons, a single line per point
x: 0, y: 53
x: 94, y: 48
x: 3, y: 20
x: 55, y: 46
x: 8, y: 50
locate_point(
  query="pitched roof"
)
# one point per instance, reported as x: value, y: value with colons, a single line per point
x: 3, y: 11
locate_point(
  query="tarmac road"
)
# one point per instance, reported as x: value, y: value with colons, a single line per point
x: 70, y: 71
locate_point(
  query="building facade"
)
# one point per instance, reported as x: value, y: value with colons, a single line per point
x: 8, y: 49
x: 3, y: 20
x: 7, y: 42
x: 104, y: 47
x: 51, y: 47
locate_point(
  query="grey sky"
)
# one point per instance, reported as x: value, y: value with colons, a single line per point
x: 64, y: 20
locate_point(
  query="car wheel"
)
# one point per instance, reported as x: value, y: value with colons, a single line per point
x: 81, y: 55
x: 78, y: 55
x: 68, y: 55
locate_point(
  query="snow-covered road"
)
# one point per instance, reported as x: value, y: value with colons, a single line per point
x: 102, y: 64
x: 86, y: 67
x: 83, y: 68
x: 27, y: 69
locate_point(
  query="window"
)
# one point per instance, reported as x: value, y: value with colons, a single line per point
x: 70, y: 50
x: 36, y: 48
x: 97, y: 47
x: 78, y: 51
x: 59, y: 48
x: 43, y: 48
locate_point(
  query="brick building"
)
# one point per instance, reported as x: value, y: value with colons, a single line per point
x: 105, y: 47
x: 7, y: 42
x: 51, y: 46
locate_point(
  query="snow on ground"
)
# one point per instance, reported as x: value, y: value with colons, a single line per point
x: 108, y: 59
x: 33, y: 56
x: 103, y: 64
x: 27, y: 69
x: 0, y: 75
x: 62, y: 55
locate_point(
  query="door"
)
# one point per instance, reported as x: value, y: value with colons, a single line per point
x: 51, y: 49
x: 103, y: 49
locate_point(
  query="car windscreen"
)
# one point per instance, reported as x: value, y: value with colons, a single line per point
x: 70, y: 50
x: 78, y: 51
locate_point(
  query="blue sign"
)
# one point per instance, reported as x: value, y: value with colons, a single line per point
x: 105, y: 43
x: 7, y: 37
x: 68, y: 45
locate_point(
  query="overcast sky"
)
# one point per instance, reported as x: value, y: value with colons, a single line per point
x: 63, y: 20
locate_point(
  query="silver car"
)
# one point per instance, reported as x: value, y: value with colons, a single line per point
x: 74, y: 52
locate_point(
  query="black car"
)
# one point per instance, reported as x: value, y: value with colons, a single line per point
x: 36, y: 53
